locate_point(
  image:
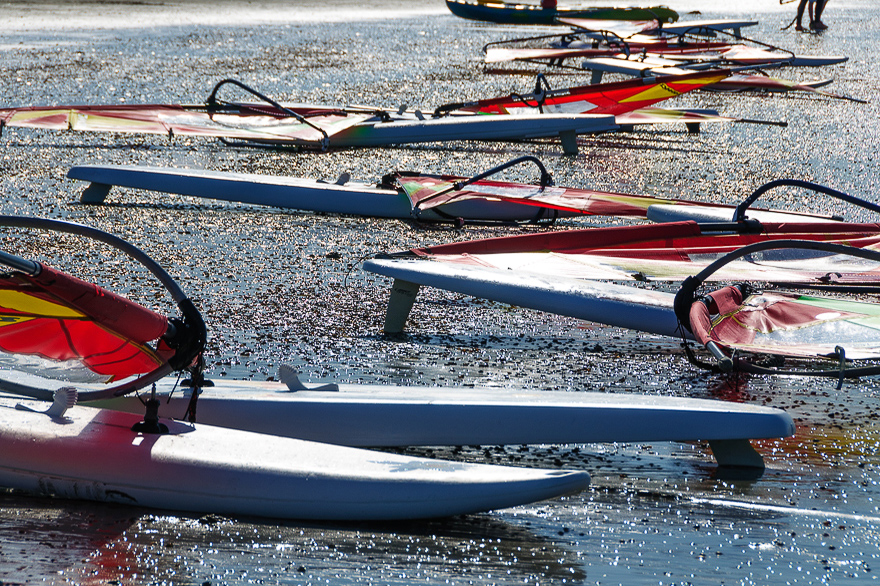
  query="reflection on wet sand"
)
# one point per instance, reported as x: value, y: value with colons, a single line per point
x: 44, y: 538
x: 214, y: 549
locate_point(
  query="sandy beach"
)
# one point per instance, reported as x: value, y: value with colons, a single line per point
x: 284, y: 287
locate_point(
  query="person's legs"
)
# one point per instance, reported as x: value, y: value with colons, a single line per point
x: 816, y: 21
x: 800, y: 15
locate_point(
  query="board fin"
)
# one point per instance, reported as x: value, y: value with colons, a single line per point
x: 95, y: 193
x: 290, y: 378
x: 403, y: 295
x: 737, y: 453
x: 569, y: 142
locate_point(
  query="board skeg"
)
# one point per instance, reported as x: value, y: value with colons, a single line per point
x: 93, y: 454
x: 395, y: 416
x: 341, y: 197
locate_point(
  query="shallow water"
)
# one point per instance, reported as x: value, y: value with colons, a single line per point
x: 273, y: 293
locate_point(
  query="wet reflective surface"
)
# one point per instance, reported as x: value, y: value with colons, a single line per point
x: 285, y: 287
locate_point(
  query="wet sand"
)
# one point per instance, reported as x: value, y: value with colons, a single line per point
x: 285, y: 287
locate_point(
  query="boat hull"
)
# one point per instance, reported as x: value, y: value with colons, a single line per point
x: 505, y: 13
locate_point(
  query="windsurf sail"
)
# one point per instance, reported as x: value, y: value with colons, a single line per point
x: 52, y: 320
x: 244, y: 121
x: 736, y: 54
x: 427, y: 191
x: 735, y: 58
x: 304, y: 126
x: 760, y: 83
x: 670, y: 116
x: 692, y: 118
x: 790, y: 324
x: 609, y: 98
x: 733, y: 320
x: 673, y: 251
x: 557, y: 54
x: 431, y: 191
x: 58, y: 329
x: 620, y: 28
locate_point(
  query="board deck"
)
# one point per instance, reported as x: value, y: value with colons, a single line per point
x: 630, y: 307
x: 394, y: 416
x: 93, y: 454
x: 470, y: 127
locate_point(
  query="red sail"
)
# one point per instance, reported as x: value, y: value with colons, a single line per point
x: 60, y: 318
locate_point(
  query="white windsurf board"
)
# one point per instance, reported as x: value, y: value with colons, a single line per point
x: 396, y: 416
x: 93, y: 454
x: 342, y: 197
